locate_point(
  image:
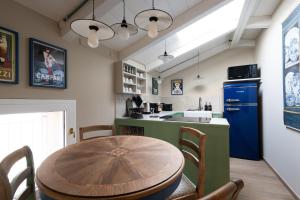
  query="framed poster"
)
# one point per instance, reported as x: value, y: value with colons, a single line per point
x: 8, y: 56
x: 177, y: 87
x: 291, y: 70
x: 154, y: 86
x: 48, y: 65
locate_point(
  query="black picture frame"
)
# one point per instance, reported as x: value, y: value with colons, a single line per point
x: 291, y: 70
x: 154, y: 86
x: 177, y: 87
x: 9, y: 56
x: 48, y: 65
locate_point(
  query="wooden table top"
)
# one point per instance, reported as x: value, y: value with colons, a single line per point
x: 109, y: 167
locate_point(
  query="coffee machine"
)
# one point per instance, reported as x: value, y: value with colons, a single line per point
x: 133, y: 107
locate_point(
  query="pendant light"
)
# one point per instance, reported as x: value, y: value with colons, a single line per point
x: 124, y: 30
x: 198, y: 77
x: 165, y: 57
x: 159, y: 80
x: 92, y: 29
x: 153, y: 20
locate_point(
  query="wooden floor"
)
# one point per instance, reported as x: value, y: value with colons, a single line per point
x: 261, y: 183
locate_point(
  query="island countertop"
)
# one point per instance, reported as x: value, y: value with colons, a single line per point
x: 157, y: 117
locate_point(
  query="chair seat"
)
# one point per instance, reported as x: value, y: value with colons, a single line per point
x: 185, y: 190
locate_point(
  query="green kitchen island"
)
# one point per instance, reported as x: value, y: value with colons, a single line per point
x: 217, y: 144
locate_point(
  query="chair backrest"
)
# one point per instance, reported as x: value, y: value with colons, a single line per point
x: 7, y: 188
x: 87, y: 129
x: 229, y: 191
x: 198, y: 157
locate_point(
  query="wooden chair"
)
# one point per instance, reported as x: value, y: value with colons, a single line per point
x: 87, y: 129
x: 7, y: 188
x: 186, y: 189
x: 229, y: 191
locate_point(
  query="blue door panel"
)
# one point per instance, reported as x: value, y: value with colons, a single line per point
x: 240, y: 93
x: 244, y: 137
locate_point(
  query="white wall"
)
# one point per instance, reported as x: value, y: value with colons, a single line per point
x: 210, y: 88
x: 281, y: 146
x: 90, y: 73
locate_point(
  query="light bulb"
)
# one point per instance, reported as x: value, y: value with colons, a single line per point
x: 153, y: 30
x: 124, y: 33
x: 159, y: 81
x: 164, y: 59
x: 93, y: 41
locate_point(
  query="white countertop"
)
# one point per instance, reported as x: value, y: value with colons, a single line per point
x: 214, y: 121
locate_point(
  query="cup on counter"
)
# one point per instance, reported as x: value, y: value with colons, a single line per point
x: 141, y: 75
x: 129, y: 89
x: 126, y: 80
x: 126, y: 89
x: 130, y: 80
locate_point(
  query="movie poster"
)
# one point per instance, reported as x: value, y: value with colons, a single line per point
x: 47, y: 65
x: 8, y: 56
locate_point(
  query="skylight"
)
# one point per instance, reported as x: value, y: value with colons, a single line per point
x: 219, y: 22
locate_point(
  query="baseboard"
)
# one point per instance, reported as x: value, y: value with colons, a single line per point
x: 283, y: 181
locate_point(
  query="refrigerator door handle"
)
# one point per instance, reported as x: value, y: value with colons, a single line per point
x: 232, y: 100
x: 232, y: 109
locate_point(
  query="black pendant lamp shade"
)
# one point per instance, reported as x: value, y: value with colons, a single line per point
x: 153, y: 20
x: 124, y: 30
x: 93, y: 30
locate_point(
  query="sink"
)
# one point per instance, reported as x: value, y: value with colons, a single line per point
x: 198, y: 113
x: 189, y: 119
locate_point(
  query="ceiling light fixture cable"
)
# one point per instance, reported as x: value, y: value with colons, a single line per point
x: 198, y: 66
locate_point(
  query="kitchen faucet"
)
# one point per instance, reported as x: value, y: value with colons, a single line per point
x: 199, y: 106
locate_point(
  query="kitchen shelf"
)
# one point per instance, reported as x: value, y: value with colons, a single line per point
x: 138, y: 84
x: 141, y: 78
x: 129, y: 74
x: 125, y: 83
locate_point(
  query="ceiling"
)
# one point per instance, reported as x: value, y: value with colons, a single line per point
x: 53, y: 9
x: 255, y: 17
x: 148, y: 56
x: 58, y: 9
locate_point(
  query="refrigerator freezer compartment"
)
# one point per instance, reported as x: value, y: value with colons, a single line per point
x: 240, y: 93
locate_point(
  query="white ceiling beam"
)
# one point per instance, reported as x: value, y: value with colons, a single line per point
x: 248, y: 9
x: 207, y: 54
x: 203, y: 56
x: 246, y: 43
x: 186, y: 18
x: 191, y: 53
x: 261, y: 22
x: 102, y: 7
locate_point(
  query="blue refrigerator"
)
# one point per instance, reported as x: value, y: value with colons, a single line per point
x: 241, y: 111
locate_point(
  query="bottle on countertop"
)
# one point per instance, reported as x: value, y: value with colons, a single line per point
x: 209, y: 107
x: 206, y: 106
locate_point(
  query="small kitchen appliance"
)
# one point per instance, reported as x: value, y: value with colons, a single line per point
x: 242, y: 72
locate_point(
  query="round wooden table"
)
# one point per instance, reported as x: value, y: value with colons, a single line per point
x: 116, y: 167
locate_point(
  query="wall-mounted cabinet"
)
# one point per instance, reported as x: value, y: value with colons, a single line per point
x: 130, y: 78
